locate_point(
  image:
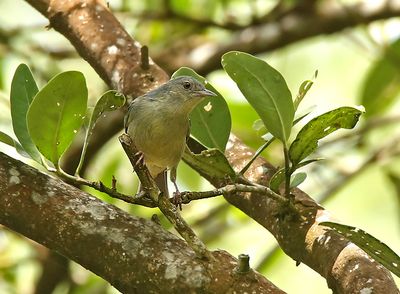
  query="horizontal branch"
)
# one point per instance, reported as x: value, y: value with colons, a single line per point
x: 187, y: 197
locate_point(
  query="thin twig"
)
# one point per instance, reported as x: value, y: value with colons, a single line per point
x: 233, y: 188
x: 99, y: 186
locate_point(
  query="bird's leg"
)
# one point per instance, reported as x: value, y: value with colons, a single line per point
x: 177, y: 195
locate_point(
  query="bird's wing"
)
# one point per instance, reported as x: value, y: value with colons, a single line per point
x: 127, y: 117
x: 188, y: 132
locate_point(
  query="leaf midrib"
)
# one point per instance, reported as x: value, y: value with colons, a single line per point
x: 269, y: 94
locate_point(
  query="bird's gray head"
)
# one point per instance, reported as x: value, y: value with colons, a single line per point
x: 184, y: 92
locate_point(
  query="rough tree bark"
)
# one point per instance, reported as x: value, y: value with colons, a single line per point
x: 135, y: 255
x: 301, y: 238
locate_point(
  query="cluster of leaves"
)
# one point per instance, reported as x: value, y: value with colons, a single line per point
x: 45, y: 122
x: 266, y: 91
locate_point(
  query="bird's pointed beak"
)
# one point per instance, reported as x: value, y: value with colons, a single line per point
x: 206, y: 92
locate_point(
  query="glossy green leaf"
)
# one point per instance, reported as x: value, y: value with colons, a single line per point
x: 23, y: 89
x: 372, y: 246
x: 56, y: 114
x: 382, y: 83
x: 265, y: 89
x: 277, y: 179
x: 210, y: 121
x: 307, y: 139
x: 109, y: 101
x: 297, y: 179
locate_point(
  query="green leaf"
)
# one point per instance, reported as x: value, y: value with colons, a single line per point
x: 56, y: 114
x: 6, y: 139
x: 277, y: 179
x: 265, y: 89
x: 210, y: 121
x: 382, y: 83
x: 372, y: 246
x: 304, y: 88
x: 210, y: 163
x: 307, y: 139
x: 109, y: 101
x: 307, y: 162
x: 297, y: 179
x: 23, y: 89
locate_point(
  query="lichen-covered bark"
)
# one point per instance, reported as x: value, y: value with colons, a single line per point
x: 134, y: 254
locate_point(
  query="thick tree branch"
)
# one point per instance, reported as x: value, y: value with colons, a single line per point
x: 293, y: 26
x: 135, y: 255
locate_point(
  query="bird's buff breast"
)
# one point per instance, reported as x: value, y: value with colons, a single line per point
x: 161, y: 141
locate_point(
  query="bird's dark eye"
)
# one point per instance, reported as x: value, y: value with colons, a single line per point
x: 186, y: 85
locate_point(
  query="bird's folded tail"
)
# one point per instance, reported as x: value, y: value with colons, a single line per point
x: 161, y: 182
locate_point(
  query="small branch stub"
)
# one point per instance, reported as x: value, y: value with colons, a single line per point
x: 114, y: 183
x: 243, y: 264
x: 144, y: 57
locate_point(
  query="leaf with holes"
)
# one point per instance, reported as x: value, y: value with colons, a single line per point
x: 303, y: 90
x: 210, y: 163
x: 319, y: 127
x: 372, y: 246
x: 109, y: 101
x: 23, y: 89
x: 265, y: 89
x: 56, y: 114
x: 210, y: 121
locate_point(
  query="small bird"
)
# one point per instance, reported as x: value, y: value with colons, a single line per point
x: 158, y: 123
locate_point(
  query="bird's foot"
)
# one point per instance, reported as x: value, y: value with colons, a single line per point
x: 139, y: 156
